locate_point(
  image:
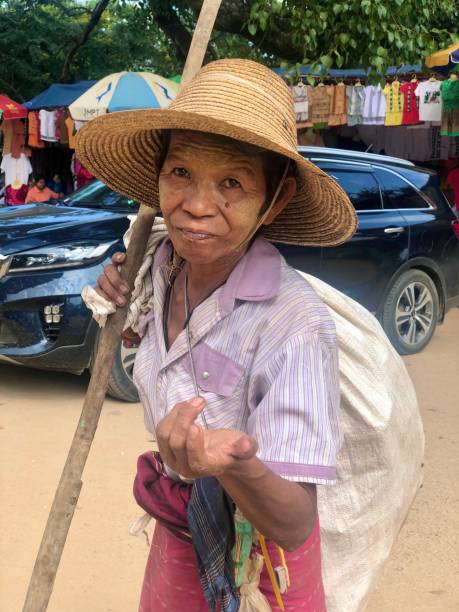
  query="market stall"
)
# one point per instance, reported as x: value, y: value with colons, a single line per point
x: 15, y: 164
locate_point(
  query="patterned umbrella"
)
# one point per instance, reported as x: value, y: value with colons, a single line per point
x: 124, y: 91
x: 445, y: 59
x: 11, y: 110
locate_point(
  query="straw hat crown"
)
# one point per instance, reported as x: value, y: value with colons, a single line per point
x: 237, y: 98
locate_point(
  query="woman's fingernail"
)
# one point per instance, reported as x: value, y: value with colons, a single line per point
x: 120, y: 301
x: 197, y: 402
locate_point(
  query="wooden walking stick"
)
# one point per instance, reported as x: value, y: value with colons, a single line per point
x: 68, y: 490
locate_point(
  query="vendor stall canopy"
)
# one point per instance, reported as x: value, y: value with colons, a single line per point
x: 58, y: 95
x: 124, y: 91
x: 445, y: 60
x: 9, y: 109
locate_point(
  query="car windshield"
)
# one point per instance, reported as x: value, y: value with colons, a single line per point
x: 94, y: 192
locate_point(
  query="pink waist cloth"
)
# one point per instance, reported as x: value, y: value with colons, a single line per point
x: 171, y: 579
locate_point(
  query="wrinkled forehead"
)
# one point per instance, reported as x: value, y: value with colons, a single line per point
x: 189, y: 143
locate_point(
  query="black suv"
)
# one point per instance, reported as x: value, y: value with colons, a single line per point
x: 402, y: 264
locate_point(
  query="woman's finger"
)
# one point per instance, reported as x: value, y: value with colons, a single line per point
x: 115, y: 278
x: 118, y: 258
x: 110, y: 291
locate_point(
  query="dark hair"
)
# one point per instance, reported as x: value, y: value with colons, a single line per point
x: 273, y: 163
x: 39, y: 177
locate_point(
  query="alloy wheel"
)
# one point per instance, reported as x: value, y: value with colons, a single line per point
x: 414, y: 314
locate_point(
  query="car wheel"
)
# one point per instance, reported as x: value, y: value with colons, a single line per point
x: 121, y: 384
x: 410, y: 312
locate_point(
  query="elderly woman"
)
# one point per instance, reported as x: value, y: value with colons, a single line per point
x: 237, y: 365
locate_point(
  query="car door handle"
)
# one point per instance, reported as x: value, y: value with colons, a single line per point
x: 394, y: 230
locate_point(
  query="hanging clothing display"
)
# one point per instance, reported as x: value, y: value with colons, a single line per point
x: 17, y: 170
x: 338, y: 104
x: 48, y: 126
x: 430, y: 103
x: 71, y: 134
x: 450, y: 115
x: 374, y: 105
x: 34, y: 139
x: 15, y: 197
x: 7, y: 129
x: 319, y: 101
x: 300, y: 101
x: 410, y: 103
x: 355, y: 98
x: 394, y: 103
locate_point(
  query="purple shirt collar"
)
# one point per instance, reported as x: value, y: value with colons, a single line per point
x: 255, y: 278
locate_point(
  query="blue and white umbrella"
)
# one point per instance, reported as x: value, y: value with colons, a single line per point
x: 124, y: 91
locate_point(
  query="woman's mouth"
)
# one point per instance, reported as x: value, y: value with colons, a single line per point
x: 195, y: 235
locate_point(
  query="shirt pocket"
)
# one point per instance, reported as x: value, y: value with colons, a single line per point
x: 215, y: 372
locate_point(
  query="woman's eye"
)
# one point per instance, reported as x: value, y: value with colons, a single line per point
x: 231, y: 183
x: 181, y: 172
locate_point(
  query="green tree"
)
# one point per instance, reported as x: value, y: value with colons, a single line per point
x: 332, y: 33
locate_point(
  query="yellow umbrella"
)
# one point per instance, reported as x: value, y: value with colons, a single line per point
x: 441, y: 58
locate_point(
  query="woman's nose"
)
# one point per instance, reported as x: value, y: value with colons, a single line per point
x: 203, y: 201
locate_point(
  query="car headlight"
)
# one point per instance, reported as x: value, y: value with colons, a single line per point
x: 50, y: 257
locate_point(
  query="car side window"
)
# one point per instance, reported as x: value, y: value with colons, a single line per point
x: 397, y: 193
x: 360, y: 186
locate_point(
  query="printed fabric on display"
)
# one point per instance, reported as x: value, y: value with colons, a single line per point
x: 48, y: 125
x: 374, y: 105
x: 319, y: 102
x: 338, y: 104
x: 410, y: 103
x: 430, y: 102
x: 34, y: 139
x: 394, y: 104
x: 355, y: 99
x: 450, y: 115
x: 300, y: 101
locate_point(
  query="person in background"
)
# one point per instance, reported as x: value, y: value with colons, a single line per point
x: 56, y: 184
x: 41, y: 193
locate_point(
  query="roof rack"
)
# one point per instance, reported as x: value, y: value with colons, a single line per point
x: 353, y: 155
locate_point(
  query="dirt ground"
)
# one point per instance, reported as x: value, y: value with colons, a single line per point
x: 102, y: 565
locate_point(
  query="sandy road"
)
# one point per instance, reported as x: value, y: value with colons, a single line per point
x: 102, y: 565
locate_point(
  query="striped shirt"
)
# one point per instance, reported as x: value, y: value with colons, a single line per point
x: 266, y: 360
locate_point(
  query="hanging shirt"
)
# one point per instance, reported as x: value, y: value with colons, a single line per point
x: 430, y: 102
x: 70, y: 125
x: 319, y: 103
x: 374, y: 105
x: 265, y: 354
x: 7, y: 129
x: 450, y: 114
x: 300, y: 101
x: 410, y: 103
x: 34, y: 139
x: 355, y: 99
x: 48, y: 126
x: 338, y: 104
x: 394, y: 103
x: 17, y: 171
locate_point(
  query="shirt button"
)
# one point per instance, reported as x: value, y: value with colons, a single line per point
x: 205, y: 375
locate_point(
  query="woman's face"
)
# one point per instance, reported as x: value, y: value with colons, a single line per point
x: 211, y: 196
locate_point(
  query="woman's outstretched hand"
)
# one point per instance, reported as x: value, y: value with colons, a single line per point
x: 195, y: 452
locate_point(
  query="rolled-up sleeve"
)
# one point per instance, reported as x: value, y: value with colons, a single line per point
x: 294, y: 414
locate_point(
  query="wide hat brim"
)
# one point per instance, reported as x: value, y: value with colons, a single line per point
x: 120, y: 150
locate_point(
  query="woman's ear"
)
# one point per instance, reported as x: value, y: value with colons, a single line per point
x: 287, y: 192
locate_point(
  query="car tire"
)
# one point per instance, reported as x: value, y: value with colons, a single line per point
x: 121, y: 385
x: 411, y: 310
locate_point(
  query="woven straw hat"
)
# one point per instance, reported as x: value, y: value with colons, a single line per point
x: 237, y: 98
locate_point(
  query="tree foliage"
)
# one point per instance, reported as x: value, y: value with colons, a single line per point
x: 37, y: 37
